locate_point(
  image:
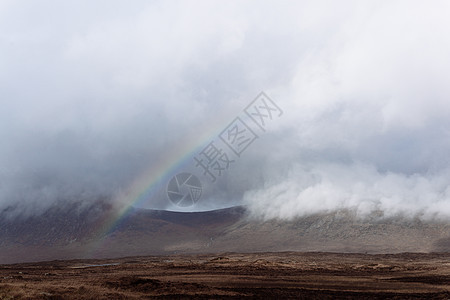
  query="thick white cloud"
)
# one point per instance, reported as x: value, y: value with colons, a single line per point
x: 375, y: 92
x: 93, y: 94
x: 358, y: 187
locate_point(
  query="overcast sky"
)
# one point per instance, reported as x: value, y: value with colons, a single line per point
x: 94, y: 94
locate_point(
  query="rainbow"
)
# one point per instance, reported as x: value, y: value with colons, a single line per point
x: 145, y: 185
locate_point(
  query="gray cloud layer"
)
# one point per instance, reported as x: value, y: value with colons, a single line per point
x: 94, y: 94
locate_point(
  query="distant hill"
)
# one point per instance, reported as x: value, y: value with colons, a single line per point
x: 78, y: 233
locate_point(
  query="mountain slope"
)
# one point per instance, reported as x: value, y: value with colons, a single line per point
x: 75, y: 233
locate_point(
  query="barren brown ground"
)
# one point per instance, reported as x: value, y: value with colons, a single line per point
x: 234, y: 275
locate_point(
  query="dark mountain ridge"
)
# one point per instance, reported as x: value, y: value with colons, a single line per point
x: 92, y: 233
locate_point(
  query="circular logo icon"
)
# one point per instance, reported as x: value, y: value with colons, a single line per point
x: 184, y: 189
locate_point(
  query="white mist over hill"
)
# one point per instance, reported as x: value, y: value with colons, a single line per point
x: 93, y: 95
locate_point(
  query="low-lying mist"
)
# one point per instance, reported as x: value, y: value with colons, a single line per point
x: 93, y: 96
